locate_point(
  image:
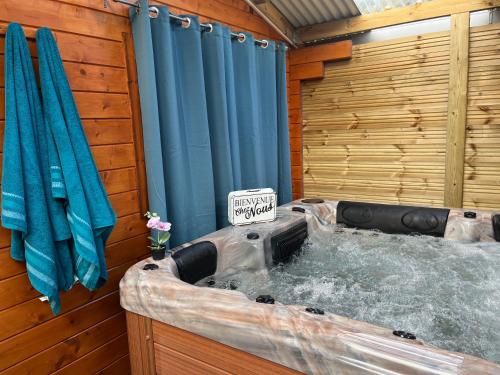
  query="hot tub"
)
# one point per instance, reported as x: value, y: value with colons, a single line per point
x: 195, y: 313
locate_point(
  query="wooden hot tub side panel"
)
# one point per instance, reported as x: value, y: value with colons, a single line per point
x: 159, y: 348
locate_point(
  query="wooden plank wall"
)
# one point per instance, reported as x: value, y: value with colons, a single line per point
x: 89, y: 335
x: 307, y: 63
x: 375, y: 126
x: 482, y: 152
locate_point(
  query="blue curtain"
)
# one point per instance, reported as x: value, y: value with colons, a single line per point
x: 215, y: 119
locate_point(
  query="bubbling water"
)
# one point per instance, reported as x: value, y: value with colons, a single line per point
x: 447, y: 293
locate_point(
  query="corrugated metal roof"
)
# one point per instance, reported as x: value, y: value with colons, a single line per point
x: 373, y: 6
x: 309, y: 12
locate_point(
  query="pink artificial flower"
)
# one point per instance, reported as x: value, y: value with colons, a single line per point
x: 153, y: 222
x: 163, y: 226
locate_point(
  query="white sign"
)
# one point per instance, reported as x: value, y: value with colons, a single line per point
x: 251, y: 206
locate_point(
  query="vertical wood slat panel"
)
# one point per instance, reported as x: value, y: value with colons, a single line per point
x: 133, y: 86
x: 457, y: 110
x: 374, y: 128
x: 140, y: 343
x: 295, y: 129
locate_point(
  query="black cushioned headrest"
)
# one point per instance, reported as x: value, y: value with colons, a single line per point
x: 495, y: 220
x: 287, y: 243
x: 196, y: 262
x: 393, y: 218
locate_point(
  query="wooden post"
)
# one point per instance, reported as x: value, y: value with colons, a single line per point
x: 457, y: 110
x: 135, y: 109
x: 140, y: 344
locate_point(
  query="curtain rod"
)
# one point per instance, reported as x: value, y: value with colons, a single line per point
x: 270, y: 22
x: 186, y: 22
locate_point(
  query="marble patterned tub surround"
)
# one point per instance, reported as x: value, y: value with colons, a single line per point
x: 458, y: 227
x: 325, y: 212
x: 461, y: 228
x: 288, y: 335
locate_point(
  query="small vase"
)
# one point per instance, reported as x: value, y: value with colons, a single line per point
x: 158, y: 253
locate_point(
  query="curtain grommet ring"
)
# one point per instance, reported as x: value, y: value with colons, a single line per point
x: 186, y: 22
x: 209, y: 28
x: 264, y: 43
x: 154, y: 12
x: 242, y: 37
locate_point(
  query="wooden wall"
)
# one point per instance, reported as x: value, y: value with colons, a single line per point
x: 89, y: 335
x: 307, y: 63
x: 375, y: 128
x: 482, y: 151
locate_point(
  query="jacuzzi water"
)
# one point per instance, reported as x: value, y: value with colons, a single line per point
x: 446, y: 293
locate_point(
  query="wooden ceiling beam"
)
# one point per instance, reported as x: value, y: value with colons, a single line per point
x: 416, y: 12
x: 274, y: 14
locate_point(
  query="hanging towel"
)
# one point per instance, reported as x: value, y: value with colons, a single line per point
x: 36, y: 220
x: 74, y: 175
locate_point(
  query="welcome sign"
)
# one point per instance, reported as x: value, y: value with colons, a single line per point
x: 251, y: 206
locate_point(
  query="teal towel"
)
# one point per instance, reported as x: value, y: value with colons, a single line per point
x: 74, y: 175
x: 39, y: 228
